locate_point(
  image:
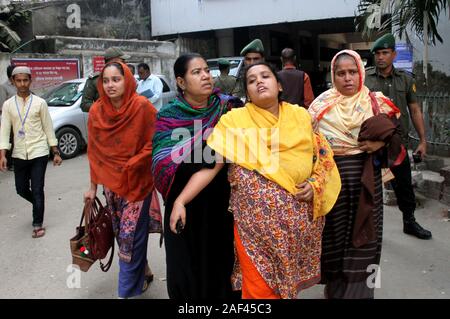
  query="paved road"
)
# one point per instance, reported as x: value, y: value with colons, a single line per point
x: 38, y: 268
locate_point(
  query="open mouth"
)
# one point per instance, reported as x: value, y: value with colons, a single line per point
x: 262, y: 89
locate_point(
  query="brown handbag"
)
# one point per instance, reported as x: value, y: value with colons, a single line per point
x: 93, y: 240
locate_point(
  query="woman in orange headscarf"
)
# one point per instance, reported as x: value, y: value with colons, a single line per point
x: 120, y: 129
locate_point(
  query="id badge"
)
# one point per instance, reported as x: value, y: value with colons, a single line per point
x: 21, y: 134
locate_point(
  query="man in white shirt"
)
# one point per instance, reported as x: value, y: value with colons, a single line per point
x: 28, y: 117
x: 150, y: 86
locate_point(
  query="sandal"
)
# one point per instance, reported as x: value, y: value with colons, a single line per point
x: 147, y: 280
x: 38, y: 232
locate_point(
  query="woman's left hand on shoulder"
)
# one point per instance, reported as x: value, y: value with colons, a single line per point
x: 370, y: 146
x: 305, y: 193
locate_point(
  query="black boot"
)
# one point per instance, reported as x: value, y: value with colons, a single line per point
x: 413, y: 228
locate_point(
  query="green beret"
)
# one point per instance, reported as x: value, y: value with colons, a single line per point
x: 223, y: 62
x: 114, y: 52
x: 387, y: 41
x: 254, y: 46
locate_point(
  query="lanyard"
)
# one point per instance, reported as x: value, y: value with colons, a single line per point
x: 26, y: 115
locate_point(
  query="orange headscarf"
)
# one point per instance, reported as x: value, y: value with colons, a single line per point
x: 120, y: 141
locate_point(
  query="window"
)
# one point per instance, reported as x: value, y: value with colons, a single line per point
x: 64, y: 95
x: 166, y: 88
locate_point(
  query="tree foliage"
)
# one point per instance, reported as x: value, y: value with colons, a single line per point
x: 11, y: 16
x: 421, y: 16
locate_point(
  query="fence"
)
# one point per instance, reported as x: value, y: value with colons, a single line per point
x: 436, y: 113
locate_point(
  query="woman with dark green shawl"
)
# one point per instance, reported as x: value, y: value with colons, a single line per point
x: 199, y: 254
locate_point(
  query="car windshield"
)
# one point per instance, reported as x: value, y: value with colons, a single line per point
x: 64, y: 95
x: 214, y: 67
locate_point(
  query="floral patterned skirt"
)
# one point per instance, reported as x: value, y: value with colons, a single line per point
x: 125, y: 216
x: 277, y: 231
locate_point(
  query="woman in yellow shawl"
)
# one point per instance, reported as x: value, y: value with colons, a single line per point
x: 283, y: 181
x: 358, y: 125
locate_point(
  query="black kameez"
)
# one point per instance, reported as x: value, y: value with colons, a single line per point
x: 200, y: 259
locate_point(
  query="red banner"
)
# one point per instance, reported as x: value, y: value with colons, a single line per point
x: 46, y: 73
x: 99, y: 63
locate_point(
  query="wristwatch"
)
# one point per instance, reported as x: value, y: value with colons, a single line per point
x: 56, y: 153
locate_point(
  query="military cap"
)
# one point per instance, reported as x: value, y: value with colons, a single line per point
x: 223, y: 62
x: 387, y: 41
x: 254, y: 46
x: 114, y: 52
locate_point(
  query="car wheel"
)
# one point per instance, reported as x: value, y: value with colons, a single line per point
x: 69, y: 142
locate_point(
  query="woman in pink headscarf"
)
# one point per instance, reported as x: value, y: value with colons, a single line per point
x: 361, y: 128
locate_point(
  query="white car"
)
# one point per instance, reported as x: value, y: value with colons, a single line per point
x: 70, y: 122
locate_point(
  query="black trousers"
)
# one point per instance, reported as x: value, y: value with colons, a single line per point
x: 29, y: 177
x: 402, y: 185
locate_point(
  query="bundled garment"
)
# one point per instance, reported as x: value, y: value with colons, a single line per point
x: 377, y: 128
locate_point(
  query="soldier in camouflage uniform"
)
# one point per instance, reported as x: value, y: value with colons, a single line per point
x: 90, y: 93
x: 400, y: 87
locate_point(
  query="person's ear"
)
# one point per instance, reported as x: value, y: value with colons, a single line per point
x: 181, y: 83
x: 394, y: 54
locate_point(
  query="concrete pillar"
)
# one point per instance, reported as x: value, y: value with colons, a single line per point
x: 225, y: 42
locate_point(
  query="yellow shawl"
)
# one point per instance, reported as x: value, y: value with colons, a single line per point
x: 281, y: 149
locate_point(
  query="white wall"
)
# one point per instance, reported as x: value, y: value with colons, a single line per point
x: 180, y: 16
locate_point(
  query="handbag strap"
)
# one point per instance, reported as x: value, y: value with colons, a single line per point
x: 86, y: 213
x: 97, y: 207
x: 98, y: 203
x: 94, y: 210
x: 106, y: 267
x: 90, y: 212
x: 82, y: 216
